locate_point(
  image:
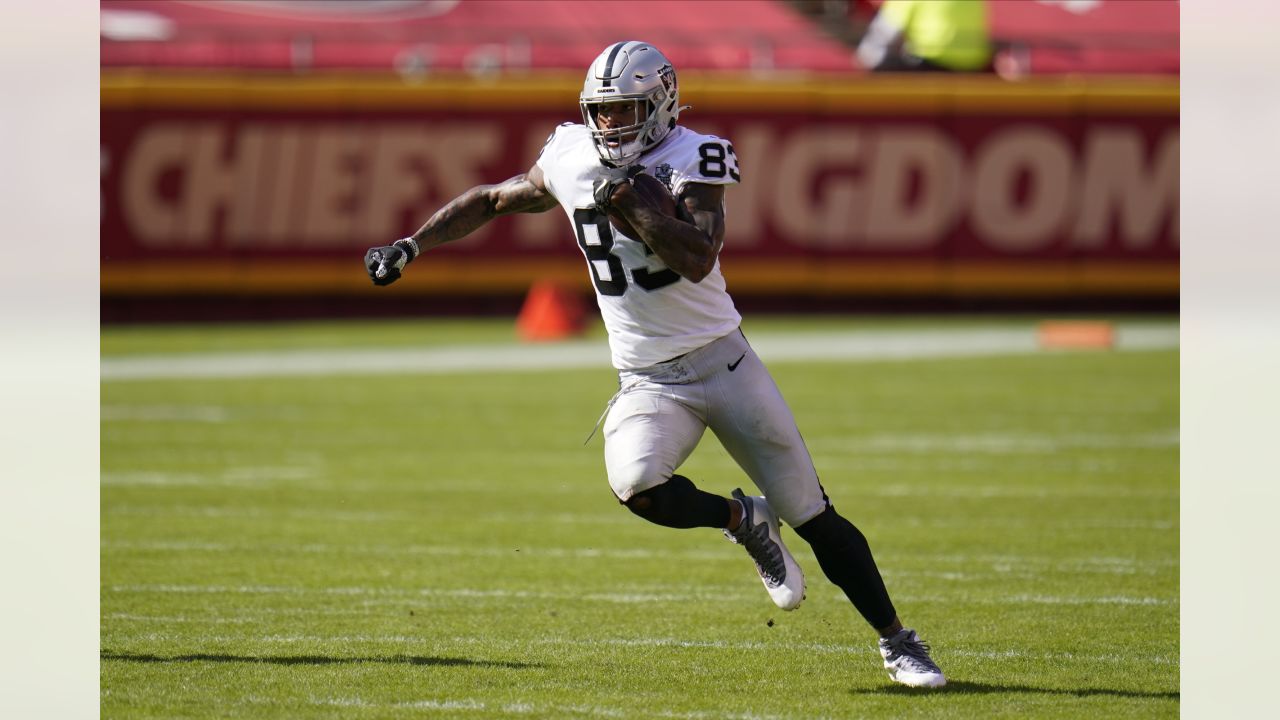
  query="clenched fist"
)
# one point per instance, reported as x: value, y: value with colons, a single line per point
x: 385, y: 263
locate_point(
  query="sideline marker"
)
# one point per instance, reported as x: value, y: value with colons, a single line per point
x: 551, y: 312
x: 1076, y: 335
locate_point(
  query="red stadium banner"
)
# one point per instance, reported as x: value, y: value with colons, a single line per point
x: 866, y: 186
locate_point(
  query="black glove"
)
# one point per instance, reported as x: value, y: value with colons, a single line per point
x: 608, y: 181
x: 385, y: 263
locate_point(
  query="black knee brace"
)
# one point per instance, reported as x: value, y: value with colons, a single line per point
x: 845, y: 557
x: 676, y: 503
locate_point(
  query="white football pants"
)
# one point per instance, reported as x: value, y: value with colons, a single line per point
x: 660, y: 413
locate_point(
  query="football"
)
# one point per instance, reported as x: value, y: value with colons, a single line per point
x: 653, y: 192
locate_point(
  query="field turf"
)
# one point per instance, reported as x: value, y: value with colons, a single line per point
x: 444, y: 545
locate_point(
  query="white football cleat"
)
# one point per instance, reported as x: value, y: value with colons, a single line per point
x: 759, y: 534
x: 907, y: 659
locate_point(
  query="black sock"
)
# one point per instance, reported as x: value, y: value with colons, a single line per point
x: 845, y: 557
x: 676, y: 503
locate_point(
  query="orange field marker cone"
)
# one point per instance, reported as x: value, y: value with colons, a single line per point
x: 551, y: 312
x: 1076, y: 335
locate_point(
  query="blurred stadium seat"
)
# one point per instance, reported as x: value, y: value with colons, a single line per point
x: 433, y: 35
x: 252, y: 150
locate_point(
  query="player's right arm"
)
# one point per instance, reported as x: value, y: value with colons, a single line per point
x: 460, y: 217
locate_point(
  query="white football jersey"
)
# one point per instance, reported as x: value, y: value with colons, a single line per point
x: 651, y: 313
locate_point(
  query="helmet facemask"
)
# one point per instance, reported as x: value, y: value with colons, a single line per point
x: 622, y: 145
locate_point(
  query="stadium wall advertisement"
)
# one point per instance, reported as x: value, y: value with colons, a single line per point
x: 943, y: 187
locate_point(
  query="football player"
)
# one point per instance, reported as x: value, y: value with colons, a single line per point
x: 683, y: 364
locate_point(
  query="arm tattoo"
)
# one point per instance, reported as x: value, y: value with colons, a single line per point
x: 472, y: 209
x: 689, y: 243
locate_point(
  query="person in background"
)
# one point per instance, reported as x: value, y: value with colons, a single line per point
x: 928, y: 36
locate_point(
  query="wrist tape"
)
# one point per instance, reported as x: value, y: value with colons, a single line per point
x: 410, y: 248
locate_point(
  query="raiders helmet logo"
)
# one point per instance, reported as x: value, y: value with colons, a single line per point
x: 668, y: 76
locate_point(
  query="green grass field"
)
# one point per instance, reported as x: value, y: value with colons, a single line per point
x: 443, y: 545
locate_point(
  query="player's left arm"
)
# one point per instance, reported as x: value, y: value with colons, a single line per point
x: 688, y: 244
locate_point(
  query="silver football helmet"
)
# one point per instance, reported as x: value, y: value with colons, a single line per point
x: 630, y: 70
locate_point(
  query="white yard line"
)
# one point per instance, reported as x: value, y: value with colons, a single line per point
x: 165, y: 413
x: 489, y: 708
x: 718, y: 594
x: 869, y: 345
x: 247, y: 477
x: 438, y: 645
x: 975, y: 568
x: 995, y: 443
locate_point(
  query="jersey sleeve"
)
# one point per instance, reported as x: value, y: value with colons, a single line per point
x: 548, y: 150
x: 551, y: 151
x: 707, y: 159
